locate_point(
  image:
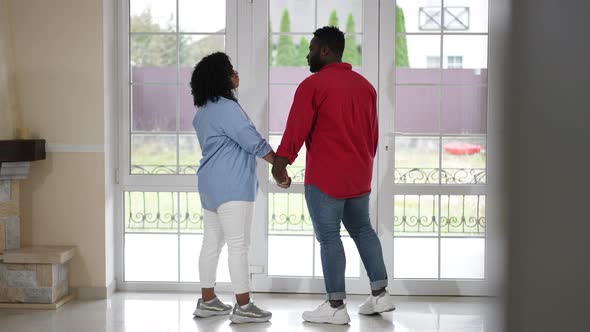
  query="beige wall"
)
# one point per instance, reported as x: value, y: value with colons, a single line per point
x: 8, y: 112
x: 61, y: 204
x: 58, y: 62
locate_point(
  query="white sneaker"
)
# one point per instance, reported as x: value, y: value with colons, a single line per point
x: 377, y: 304
x: 326, y: 314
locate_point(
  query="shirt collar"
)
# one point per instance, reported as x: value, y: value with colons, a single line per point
x: 338, y: 65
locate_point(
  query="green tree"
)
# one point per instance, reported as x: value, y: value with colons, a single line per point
x: 302, y: 51
x: 192, y: 52
x: 401, y: 43
x: 333, y: 20
x: 351, y: 54
x: 151, y: 50
x: 160, y: 50
x: 286, y: 50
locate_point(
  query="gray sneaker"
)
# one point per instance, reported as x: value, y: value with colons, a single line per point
x: 252, y: 314
x: 212, y: 308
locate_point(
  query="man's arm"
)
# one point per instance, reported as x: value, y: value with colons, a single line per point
x: 299, y: 124
x: 279, y: 170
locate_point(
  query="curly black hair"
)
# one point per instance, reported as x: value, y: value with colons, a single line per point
x: 211, y: 79
x: 331, y: 37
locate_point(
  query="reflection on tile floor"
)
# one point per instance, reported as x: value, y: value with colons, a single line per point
x: 144, y: 312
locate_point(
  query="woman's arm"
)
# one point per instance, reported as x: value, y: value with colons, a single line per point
x: 270, y: 157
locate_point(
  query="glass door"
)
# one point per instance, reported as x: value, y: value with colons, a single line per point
x: 291, y: 260
x: 433, y: 164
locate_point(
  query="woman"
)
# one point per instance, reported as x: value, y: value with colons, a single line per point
x: 227, y: 185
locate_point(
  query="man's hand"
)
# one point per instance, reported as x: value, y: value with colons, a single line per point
x: 279, y: 172
x: 286, y: 183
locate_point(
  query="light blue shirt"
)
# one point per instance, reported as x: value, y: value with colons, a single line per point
x: 230, y: 144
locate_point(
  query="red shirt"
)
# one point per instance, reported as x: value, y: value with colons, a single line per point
x: 335, y: 113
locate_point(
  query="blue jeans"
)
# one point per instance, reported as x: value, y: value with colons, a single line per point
x: 326, y: 213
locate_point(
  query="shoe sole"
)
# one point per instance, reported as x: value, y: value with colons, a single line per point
x: 207, y: 313
x: 244, y: 320
x: 326, y: 320
x: 376, y: 312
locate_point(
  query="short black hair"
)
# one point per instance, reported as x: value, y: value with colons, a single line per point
x: 331, y: 37
x: 211, y: 79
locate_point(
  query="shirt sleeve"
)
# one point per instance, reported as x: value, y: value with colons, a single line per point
x: 236, y: 125
x: 301, y: 119
x: 375, y: 124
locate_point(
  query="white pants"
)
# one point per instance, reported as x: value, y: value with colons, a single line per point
x: 230, y: 224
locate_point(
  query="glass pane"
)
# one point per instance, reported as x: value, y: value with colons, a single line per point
x: 153, y: 154
x: 297, y: 170
x: 415, y: 258
x: 414, y: 60
x: 464, y: 109
x: 290, y: 51
x: 415, y: 215
x: 151, y: 257
x: 353, y: 52
x: 153, y: 108
x: 353, y: 260
x: 187, y: 109
x: 418, y: 16
x: 416, y: 160
x: 463, y: 215
x: 153, y: 58
x: 416, y: 109
x: 190, y: 212
x: 152, y: 15
x: 280, y: 100
x: 345, y: 14
x: 193, y: 49
x: 288, y: 214
x: 201, y: 15
x: 290, y: 255
x: 292, y: 16
x: 190, y: 246
x: 462, y: 258
x: 289, y: 76
x: 190, y: 154
x: 465, y: 59
x: 464, y: 160
x: 190, y: 249
x: 151, y: 212
x: 466, y: 15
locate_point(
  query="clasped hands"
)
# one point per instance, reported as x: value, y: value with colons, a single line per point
x: 279, y: 172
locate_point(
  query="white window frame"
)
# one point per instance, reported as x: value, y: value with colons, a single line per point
x: 249, y: 65
x: 152, y: 183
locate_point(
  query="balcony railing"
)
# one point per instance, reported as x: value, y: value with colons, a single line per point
x: 172, y: 212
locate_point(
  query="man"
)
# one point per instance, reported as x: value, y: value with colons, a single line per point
x: 334, y: 112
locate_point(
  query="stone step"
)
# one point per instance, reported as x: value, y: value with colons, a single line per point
x: 35, y: 274
x: 39, y: 255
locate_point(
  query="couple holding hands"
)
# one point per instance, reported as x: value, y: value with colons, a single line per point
x: 334, y: 113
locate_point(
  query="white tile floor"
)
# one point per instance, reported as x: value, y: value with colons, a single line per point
x: 145, y: 312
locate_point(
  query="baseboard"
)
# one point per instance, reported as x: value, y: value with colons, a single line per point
x: 96, y: 293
